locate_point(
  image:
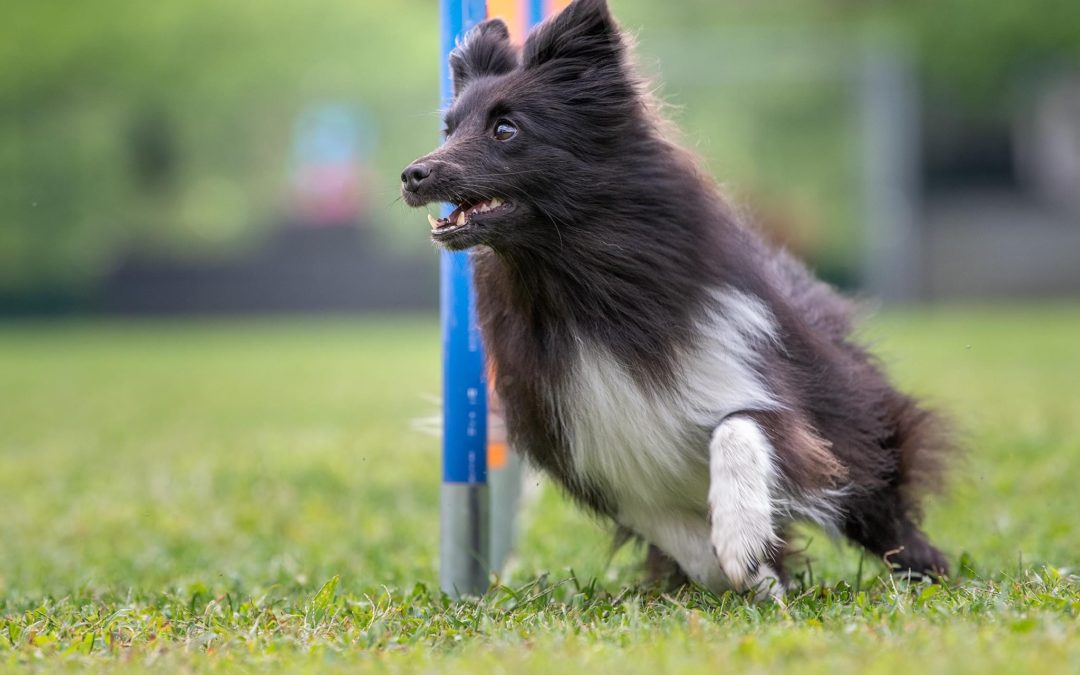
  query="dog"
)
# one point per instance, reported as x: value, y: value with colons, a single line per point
x: 667, y: 368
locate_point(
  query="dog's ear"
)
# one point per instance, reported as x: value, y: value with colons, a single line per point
x: 584, y: 31
x: 485, y: 50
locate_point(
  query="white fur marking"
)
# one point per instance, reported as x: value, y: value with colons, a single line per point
x: 647, y: 446
x: 649, y: 449
x: 741, y: 480
x: 684, y: 537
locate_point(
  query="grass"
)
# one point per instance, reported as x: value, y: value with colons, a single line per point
x: 240, y: 495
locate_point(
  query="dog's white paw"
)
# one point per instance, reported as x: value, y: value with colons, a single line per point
x: 767, y: 584
x: 740, y: 499
x: 741, y: 545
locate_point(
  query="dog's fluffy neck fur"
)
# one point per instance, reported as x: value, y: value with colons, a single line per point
x: 636, y: 288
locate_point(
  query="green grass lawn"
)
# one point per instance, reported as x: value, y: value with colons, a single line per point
x: 175, y: 495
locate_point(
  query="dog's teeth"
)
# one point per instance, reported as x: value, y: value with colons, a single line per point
x: 434, y: 221
x: 461, y: 218
x: 495, y: 202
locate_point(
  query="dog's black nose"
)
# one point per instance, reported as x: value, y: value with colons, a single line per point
x: 413, y: 175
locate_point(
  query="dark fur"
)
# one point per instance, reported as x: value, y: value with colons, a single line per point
x: 618, y: 236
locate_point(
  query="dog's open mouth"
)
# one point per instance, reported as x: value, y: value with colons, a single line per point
x: 465, y: 214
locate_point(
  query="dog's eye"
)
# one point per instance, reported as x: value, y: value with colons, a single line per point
x: 504, y: 130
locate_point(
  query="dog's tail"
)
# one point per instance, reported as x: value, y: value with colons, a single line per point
x: 927, y: 451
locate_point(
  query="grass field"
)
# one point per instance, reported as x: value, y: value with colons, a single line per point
x: 254, y: 495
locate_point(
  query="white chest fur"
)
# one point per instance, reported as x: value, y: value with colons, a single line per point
x: 647, y: 448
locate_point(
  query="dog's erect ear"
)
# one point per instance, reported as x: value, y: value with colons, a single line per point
x: 584, y: 31
x: 485, y: 50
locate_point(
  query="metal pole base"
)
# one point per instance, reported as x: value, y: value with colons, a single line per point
x: 505, y: 486
x: 463, y: 533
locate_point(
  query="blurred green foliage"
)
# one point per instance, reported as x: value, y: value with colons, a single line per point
x: 167, y: 125
x: 221, y: 81
x: 984, y: 53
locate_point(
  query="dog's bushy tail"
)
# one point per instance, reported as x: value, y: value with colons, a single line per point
x: 927, y: 450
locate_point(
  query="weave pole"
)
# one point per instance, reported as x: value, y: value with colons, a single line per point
x: 471, y: 542
x: 464, y: 508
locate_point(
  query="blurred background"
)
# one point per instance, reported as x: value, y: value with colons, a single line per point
x: 208, y: 157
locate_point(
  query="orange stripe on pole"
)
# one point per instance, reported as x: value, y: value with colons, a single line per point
x: 555, y: 6
x: 496, y: 447
x: 513, y: 13
x: 497, y: 456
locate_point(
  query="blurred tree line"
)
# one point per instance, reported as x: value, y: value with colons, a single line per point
x: 166, y: 125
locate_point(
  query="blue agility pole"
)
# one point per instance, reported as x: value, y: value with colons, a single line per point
x: 464, y: 498
x: 471, y: 542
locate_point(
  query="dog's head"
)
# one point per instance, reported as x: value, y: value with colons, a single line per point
x: 532, y: 138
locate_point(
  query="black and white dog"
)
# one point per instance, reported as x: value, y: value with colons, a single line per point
x: 654, y: 356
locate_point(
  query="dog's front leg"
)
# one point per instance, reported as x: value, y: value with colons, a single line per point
x: 742, y: 477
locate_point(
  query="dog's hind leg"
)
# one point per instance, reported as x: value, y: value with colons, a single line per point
x: 881, y: 522
x: 742, y: 477
x: 663, y: 571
